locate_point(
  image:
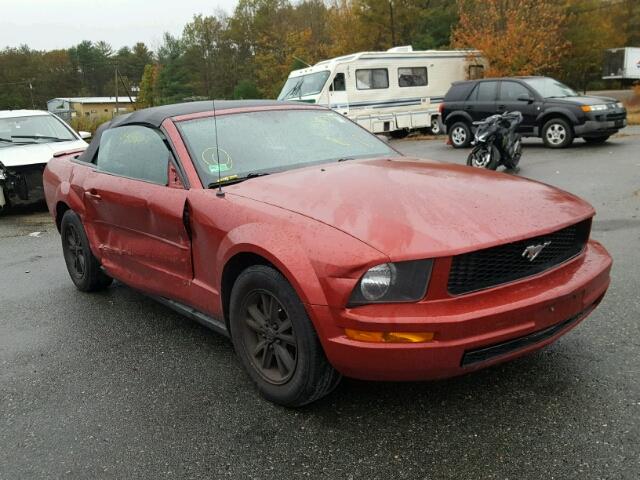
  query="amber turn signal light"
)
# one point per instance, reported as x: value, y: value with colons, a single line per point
x: 389, y: 337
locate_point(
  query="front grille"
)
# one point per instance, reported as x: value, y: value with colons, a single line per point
x: 617, y: 116
x: 505, y: 263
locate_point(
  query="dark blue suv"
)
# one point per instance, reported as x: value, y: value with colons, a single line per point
x: 550, y: 110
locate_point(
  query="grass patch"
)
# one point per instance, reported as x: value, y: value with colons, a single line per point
x: 633, y: 116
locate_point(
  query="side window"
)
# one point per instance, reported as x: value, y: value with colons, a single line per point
x: 134, y: 151
x: 338, y: 84
x: 484, y: 92
x: 476, y: 72
x: 372, y: 78
x: 412, y: 77
x: 510, y: 91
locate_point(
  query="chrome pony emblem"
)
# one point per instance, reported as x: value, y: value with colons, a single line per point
x: 532, y: 251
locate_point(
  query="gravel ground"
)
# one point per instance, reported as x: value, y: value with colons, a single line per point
x: 114, y: 385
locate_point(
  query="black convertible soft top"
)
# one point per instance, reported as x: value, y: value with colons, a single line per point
x: 154, y: 116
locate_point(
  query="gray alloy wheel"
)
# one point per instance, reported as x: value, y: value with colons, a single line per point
x: 460, y: 135
x: 557, y: 133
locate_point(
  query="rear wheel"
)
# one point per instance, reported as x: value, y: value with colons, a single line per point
x: 82, y: 265
x: 436, y: 127
x: 596, y: 140
x: 275, y: 340
x: 557, y: 133
x: 484, y: 156
x: 460, y: 134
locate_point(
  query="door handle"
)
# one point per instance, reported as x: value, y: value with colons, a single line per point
x: 502, y: 106
x: 468, y: 107
x: 93, y: 193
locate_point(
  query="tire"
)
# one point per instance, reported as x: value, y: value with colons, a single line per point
x: 282, y: 353
x: 460, y: 134
x: 398, y: 134
x: 436, y: 127
x: 83, y: 267
x: 482, y: 157
x: 557, y: 133
x: 513, y: 164
x: 596, y: 140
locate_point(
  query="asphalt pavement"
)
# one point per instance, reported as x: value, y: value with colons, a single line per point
x: 114, y: 385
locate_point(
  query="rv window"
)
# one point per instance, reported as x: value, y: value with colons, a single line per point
x: 372, y: 78
x: 338, y: 84
x: 476, y: 72
x: 412, y: 77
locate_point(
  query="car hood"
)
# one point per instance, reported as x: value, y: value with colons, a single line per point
x: 414, y: 208
x: 30, y: 154
x: 582, y: 100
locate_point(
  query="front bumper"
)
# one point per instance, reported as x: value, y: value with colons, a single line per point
x: 602, y: 124
x: 506, y: 321
x: 21, y: 185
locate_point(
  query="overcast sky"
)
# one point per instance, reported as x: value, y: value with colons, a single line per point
x: 49, y: 24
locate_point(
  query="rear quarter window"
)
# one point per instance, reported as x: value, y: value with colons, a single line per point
x: 458, y: 92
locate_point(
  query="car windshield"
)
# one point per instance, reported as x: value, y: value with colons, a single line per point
x: 550, y: 88
x: 304, y: 85
x: 263, y: 142
x: 32, y: 129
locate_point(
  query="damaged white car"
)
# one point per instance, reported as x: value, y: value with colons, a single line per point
x: 28, y: 139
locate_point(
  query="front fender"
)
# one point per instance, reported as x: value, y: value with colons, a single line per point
x: 557, y: 111
x: 280, y: 247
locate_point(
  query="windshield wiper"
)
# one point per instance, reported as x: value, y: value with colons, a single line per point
x: 42, y: 137
x: 344, y: 159
x: 231, y: 179
x: 8, y: 140
x: 293, y: 90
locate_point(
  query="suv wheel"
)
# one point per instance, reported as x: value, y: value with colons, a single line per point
x: 460, y: 135
x: 557, y: 133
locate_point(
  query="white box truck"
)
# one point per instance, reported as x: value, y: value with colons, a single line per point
x: 621, y: 64
x: 386, y: 92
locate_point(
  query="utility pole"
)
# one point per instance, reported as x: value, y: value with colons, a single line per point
x: 116, y: 85
x: 393, y: 27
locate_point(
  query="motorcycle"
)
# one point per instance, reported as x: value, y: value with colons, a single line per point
x: 496, y: 142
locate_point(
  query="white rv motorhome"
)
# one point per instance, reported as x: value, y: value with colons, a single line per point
x: 386, y: 92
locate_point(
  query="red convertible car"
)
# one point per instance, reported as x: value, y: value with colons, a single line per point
x: 319, y: 249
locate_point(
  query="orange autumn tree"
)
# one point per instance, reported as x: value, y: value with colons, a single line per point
x: 516, y: 37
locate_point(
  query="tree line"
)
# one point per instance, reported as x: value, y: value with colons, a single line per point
x: 249, y: 53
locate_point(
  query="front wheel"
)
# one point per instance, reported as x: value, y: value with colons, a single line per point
x: 557, y: 133
x: 517, y: 154
x: 276, y: 341
x: 484, y: 156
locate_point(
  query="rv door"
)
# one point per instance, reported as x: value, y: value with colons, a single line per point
x: 338, y: 99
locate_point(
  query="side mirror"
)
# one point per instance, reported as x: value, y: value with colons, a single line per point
x: 84, y: 135
x: 525, y: 97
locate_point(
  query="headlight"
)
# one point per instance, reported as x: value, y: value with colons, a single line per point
x: 593, y: 108
x: 619, y: 105
x: 393, y: 282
